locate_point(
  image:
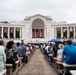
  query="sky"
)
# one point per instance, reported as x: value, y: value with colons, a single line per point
x: 59, y: 10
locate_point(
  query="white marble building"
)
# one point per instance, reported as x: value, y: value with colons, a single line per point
x: 36, y: 29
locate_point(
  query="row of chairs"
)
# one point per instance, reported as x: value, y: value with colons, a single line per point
x: 64, y: 68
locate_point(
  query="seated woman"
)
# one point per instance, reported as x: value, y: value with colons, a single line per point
x: 59, y: 52
x: 10, y: 55
x: 15, y: 52
x: 2, y: 55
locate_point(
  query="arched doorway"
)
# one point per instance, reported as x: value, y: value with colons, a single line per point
x: 38, y: 28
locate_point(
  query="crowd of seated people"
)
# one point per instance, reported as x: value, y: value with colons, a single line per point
x: 12, y: 52
x: 64, y: 52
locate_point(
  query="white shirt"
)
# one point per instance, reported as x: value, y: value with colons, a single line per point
x: 59, y: 54
x: 47, y: 48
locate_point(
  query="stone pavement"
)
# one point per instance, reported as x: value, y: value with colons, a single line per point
x: 37, y: 65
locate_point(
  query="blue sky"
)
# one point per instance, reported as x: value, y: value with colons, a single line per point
x: 59, y: 10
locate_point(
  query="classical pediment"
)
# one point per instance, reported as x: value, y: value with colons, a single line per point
x: 37, y: 15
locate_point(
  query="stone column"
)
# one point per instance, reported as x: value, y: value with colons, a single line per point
x: 45, y: 32
x: 74, y: 32
x: 61, y: 32
x: 14, y: 32
x: 8, y: 32
x: 20, y: 32
x: 30, y: 32
x: 67, y: 32
x: 40, y: 32
x: 2, y: 32
x: 35, y: 32
x: 55, y: 34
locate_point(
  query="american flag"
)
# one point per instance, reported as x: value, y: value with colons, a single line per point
x: 71, y: 28
x: 42, y: 32
x: 11, y: 30
x: 5, y: 29
x: 33, y: 32
x: 64, y: 29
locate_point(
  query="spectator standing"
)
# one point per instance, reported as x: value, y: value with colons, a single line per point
x: 23, y: 52
x: 19, y: 49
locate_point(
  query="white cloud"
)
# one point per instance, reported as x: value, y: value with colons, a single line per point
x: 59, y: 10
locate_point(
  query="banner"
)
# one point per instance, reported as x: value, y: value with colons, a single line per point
x: 70, y: 28
x: 64, y: 29
x: 11, y: 30
x: 37, y: 33
x: 42, y: 33
x: 33, y: 33
x: 5, y: 29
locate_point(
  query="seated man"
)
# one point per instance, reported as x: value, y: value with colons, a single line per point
x: 69, y: 52
x: 49, y: 49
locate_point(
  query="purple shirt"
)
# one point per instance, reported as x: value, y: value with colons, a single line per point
x: 23, y: 52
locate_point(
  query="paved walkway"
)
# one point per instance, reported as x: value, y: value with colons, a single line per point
x: 37, y: 65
